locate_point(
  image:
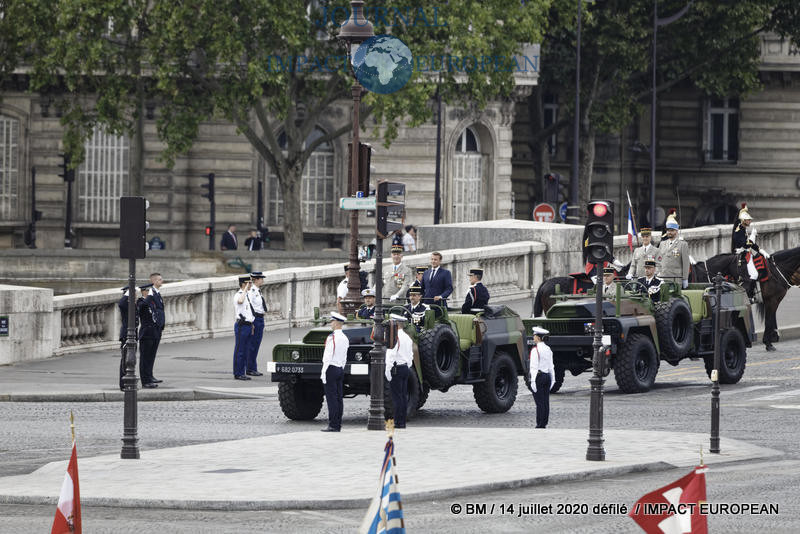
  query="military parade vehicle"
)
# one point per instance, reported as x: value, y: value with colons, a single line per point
x: 485, y: 350
x: 639, y: 333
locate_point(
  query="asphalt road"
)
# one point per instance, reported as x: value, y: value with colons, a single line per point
x: 761, y: 409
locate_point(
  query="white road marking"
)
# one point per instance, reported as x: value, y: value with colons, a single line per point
x: 778, y: 396
x: 786, y: 406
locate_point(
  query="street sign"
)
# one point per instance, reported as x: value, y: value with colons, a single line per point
x: 4, y: 326
x: 352, y: 203
x: 562, y: 211
x: 544, y: 213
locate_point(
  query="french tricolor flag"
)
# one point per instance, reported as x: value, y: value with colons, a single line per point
x: 68, y: 512
x: 631, y: 228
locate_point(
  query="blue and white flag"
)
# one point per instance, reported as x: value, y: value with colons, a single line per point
x: 385, y: 513
x: 632, y: 234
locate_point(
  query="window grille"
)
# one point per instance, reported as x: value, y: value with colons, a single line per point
x: 9, y: 167
x: 103, y: 177
x: 468, y: 167
x: 722, y: 126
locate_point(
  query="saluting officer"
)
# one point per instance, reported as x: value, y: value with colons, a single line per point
x: 477, y: 295
x: 650, y: 281
x: 399, y: 359
x: 542, y: 375
x: 148, y: 336
x: 259, y: 307
x: 367, y: 310
x: 672, y: 259
x: 416, y: 308
x: 333, y: 361
x: 397, y: 280
x: 242, y: 329
x: 646, y: 252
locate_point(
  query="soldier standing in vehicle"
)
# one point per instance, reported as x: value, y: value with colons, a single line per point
x: 672, y: 258
x: 640, y: 255
x: 399, y: 359
x: 416, y: 308
x: 542, y: 376
x: 333, y: 361
x: 650, y: 281
x: 420, y: 272
x: 397, y: 280
x: 477, y: 295
x: 609, y: 285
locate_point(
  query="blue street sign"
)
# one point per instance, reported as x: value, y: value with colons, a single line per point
x: 562, y: 211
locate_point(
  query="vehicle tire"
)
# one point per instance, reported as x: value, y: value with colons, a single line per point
x: 301, y: 400
x: 560, y: 371
x: 499, y: 391
x: 675, y: 329
x: 423, y: 395
x: 636, y: 365
x: 732, y: 357
x: 413, y: 397
x: 439, y: 354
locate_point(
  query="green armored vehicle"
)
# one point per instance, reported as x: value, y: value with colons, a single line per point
x: 485, y: 350
x: 640, y: 333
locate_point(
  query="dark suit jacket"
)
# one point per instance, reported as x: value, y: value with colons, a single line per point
x: 228, y: 242
x: 158, y: 310
x: 146, y: 311
x: 440, y: 285
x: 477, y: 297
x: 123, y: 312
x: 655, y: 282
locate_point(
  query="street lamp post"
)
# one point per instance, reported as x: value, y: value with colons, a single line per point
x: 714, y: 441
x: 355, y: 31
x: 572, y: 207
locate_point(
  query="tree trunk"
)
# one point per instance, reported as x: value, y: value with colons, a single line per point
x: 291, y: 184
x: 585, y: 167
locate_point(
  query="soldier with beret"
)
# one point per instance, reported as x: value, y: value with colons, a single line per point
x: 367, y: 310
x: 650, y: 281
x: 397, y: 279
x: 242, y: 329
x: 416, y: 308
x: 333, y: 361
x: 477, y: 295
x: 399, y: 359
x: 609, y: 285
x: 259, y: 308
x: 672, y: 258
x: 641, y: 254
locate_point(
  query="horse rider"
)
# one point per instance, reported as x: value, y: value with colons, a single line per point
x: 743, y: 243
x: 672, y: 257
x: 646, y: 252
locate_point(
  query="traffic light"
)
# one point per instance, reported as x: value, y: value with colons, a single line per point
x: 598, y: 235
x: 209, y: 231
x: 66, y: 173
x: 210, y: 186
x: 391, y: 204
x: 133, y: 227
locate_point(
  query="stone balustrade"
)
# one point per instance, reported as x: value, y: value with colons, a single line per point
x: 201, y: 308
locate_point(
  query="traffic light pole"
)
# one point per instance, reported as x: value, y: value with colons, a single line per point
x: 130, y: 438
x: 377, y: 356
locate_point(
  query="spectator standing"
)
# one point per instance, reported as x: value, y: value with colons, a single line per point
x: 254, y: 241
x: 333, y: 361
x: 242, y: 329
x: 542, y: 376
x: 410, y: 239
x: 259, y: 307
x: 159, y: 318
x: 229, y: 241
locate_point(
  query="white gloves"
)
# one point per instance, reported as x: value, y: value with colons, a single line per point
x: 324, y: 372
x: 552, y: 380
x: 388, y: 374
x: 533, y: 385
x: 685, y: 284
x: 653, y: 289
x: 629, y: 275
x: 616, y: 263
x: 393, y: 298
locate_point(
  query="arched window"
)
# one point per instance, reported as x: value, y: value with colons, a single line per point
x: 468, y: 178
x: 316, y: 190
x: 9, y: 167
x: 103, y: 177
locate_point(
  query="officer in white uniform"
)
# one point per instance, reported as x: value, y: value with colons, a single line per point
x: 259, y: 308
x: 542, y: 376
x: 341, y: 291
x: 243, y: 328
x: 333, y: 360
x: 399, y: 360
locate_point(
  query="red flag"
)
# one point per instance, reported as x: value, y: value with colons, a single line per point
x: 675, y: 508
x: 68, y: 512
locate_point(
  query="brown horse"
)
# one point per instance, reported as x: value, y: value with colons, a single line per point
x: 784, y: 272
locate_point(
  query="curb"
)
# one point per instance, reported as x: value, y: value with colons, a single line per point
x: 425, y: 496
x: 119, y: 396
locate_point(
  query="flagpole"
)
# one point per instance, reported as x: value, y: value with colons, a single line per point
x: 72, y: 425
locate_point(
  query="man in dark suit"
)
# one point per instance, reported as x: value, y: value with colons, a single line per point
x: 229, y: 241
x: 478, y: 295
x: 146, y: 310
x: 158, y: 315
x: 437, y: 282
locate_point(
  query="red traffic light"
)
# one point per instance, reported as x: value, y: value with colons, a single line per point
x: 208, y: 230
x: 599, y: 210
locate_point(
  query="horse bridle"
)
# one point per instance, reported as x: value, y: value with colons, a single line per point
x: 785, y: 281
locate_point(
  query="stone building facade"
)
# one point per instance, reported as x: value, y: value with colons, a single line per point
x: 712, y: 154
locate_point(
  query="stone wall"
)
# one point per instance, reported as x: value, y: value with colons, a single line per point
x: 32, y: 326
